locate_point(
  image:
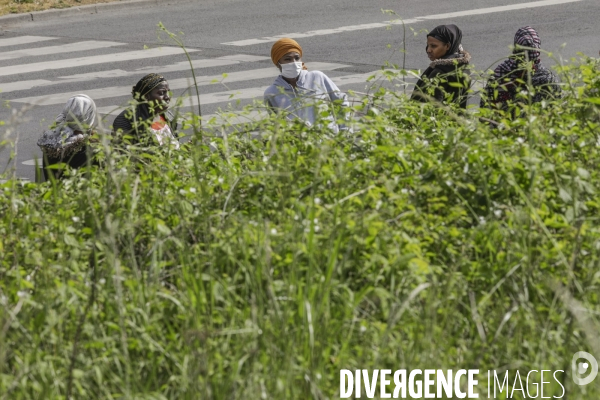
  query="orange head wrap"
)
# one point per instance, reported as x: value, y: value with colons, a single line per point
x: 282, y: 47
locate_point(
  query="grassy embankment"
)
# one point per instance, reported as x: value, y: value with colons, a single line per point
x: 262, y: 269
x: 23, y: 6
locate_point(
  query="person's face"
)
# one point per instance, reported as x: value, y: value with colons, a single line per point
x: 436, y: 49
x: 290, y: 57
x: 160, y: 97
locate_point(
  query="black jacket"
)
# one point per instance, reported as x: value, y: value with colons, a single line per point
x: 446, y: 79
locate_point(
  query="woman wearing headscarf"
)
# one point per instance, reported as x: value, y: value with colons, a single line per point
x: 447, y: 77
x: 302, y: 94
x: 150, y: 117
x: 512, y: 76
x: 66, y: 142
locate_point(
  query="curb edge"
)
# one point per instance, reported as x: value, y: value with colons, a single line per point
x: 45, y: 15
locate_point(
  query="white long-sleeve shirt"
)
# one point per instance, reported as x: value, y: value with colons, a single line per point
x: 314, y: 93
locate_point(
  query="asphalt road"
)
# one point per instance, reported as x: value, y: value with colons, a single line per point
x: 238, y: 34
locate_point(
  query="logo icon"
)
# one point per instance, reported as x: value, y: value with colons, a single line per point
x: 579, y: 369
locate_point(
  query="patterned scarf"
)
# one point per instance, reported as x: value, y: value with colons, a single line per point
x: 146, y: 85
x: 510, y: 71
x: 513, y: 67
x: 73, y: 126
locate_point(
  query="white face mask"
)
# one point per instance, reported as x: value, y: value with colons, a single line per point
x: 291, y: 70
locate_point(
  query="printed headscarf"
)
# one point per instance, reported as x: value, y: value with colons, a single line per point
x: 143, y: 111
x: 73, y: 125
x: 525, y: 37
x: 450, y: 34
x: 146, y: 85
x: 282, y: 47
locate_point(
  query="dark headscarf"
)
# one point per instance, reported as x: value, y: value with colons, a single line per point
x: 146, y: 85
x: 129, y: 119
x: 450, y: 34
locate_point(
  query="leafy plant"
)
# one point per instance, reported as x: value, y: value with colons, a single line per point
x: 259, y: 266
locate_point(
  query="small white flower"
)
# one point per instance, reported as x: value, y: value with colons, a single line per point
x: 498, y: 213
x: 273, y: 231
x: 192, y: 190
x: 363, y: 328
x: 404, y: 191
x: 521, y: 140
x: 22, y: 293
x: 76, y: 219
x: 449, y: 183
x: 296, y: 218
x: 182, y: 191
x: 352, y: 157
x: 317, y: 200
x: 102, y: 281
x: 378, y: 204
x: 481, y: 220
x: 367, y: 160
x: 317, y: 229
x: 315, y: 221
x: 265, y: 158
x: 221, y: 180
x: 425, y: 143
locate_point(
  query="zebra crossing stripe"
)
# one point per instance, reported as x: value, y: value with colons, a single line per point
x: 242, y: 94
x: 118, y: 73
x: 92, y: 60
x: 64, y: 48
x: 258, y: 92
x: 174, y: 84
x: 15, y: 41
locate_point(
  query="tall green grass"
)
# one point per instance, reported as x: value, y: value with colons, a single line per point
x: 258, y: 267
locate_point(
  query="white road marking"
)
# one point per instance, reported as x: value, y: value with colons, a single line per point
x: 64, y: 48
x: 234, y: 118
x: 350, y: 28
x: 175, y: 84
x: 118, y: 73
x: 92, y: 60
x: 15, y: 41
x: 19, y: 180
x: 37, y: 161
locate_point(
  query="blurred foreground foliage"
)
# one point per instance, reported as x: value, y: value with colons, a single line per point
x: 259, y: 266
